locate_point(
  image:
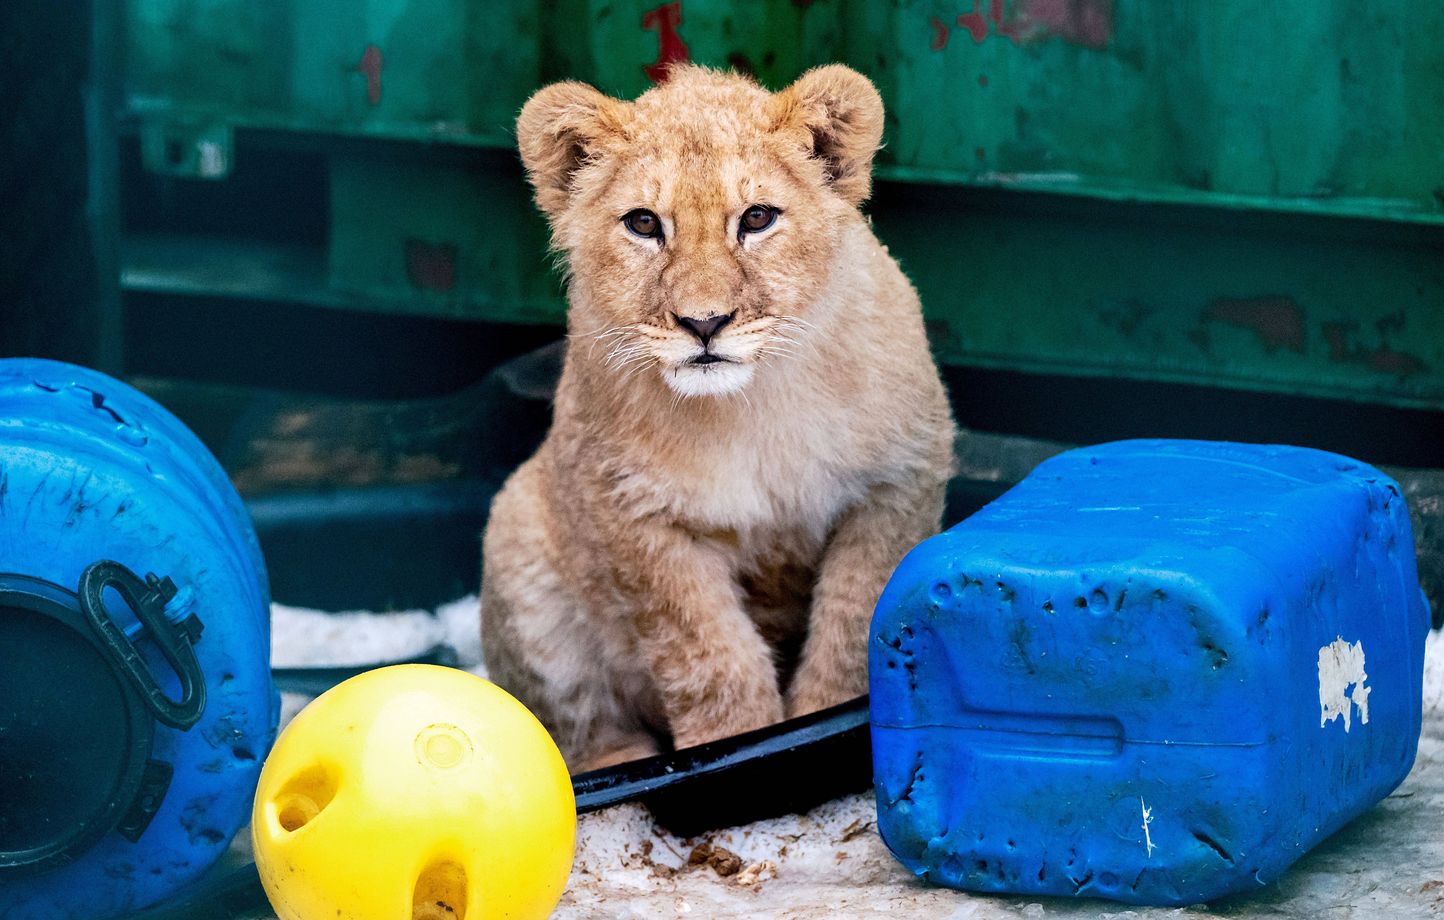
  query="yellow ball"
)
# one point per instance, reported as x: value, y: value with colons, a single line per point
x: 414, y: 792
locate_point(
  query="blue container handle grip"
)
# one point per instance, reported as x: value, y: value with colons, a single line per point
x: 148, y: 599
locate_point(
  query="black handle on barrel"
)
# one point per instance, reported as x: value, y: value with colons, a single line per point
x: 147, y: 598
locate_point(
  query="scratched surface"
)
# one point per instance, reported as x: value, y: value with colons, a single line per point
x: 1136, y: 625
x: 1350, y: 309
x: 1235, y: 193
x: 1288, y: 104
x: 428, y: 240
x: 1318, y: 106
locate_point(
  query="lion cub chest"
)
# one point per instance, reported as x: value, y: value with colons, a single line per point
x: 771, y: 486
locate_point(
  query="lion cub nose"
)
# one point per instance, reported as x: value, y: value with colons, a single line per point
x: 704, y: 329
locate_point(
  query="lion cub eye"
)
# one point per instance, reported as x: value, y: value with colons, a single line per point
x: 756, y: 219
x: 643, y: 223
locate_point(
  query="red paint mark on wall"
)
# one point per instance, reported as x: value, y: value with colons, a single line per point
x: 940, y: 34
x: 1383, y: 359
x: 665, y: 20
x: 1277, y: 321
x: 431, y: 266
x: 1088, y: 23
x: 370, y: 65
x: 1083, y: 22
x: 974, y: 22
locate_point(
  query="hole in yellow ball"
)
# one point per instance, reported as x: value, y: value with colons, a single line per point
x: 304, y: 796
x: 294, y: 811
x: 440, y: 893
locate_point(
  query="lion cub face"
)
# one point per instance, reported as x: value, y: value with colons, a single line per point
x: 700, y: 222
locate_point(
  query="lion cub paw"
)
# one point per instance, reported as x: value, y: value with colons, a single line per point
x: 699, y: 727
x: 809, y: 697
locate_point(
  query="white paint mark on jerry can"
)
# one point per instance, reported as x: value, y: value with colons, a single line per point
x: 1341, y: 666
x: 1147, y: 820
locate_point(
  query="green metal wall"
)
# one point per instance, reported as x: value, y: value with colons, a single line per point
x: 1234, y: 192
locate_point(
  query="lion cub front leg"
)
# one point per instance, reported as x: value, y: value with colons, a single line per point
x: 866, y: 546
x: 712, y: 669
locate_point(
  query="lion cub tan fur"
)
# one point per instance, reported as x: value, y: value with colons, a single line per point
x: 697, y: 547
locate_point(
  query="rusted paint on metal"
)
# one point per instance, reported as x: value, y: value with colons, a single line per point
x: 665, y: 20
x: 1352, y: 140
x: 1344, y: 348
x: 1088, y: 23
x: 431, y: 266
x: 1277, y: 321
x: 975, y: 22
x: 370, y: 67
x: 940, y: 34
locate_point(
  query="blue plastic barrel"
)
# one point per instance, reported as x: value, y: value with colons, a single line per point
x: 1154, y: 671
x: 136, y: 703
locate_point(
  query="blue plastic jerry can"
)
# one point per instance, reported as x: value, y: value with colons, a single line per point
x: 136, y: 703
x: 1154, y: 671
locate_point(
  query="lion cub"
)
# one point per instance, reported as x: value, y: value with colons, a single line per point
x: 749, y: 431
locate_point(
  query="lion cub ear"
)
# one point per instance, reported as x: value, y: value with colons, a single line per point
x: 559, y: 128
x: 843, y: 111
